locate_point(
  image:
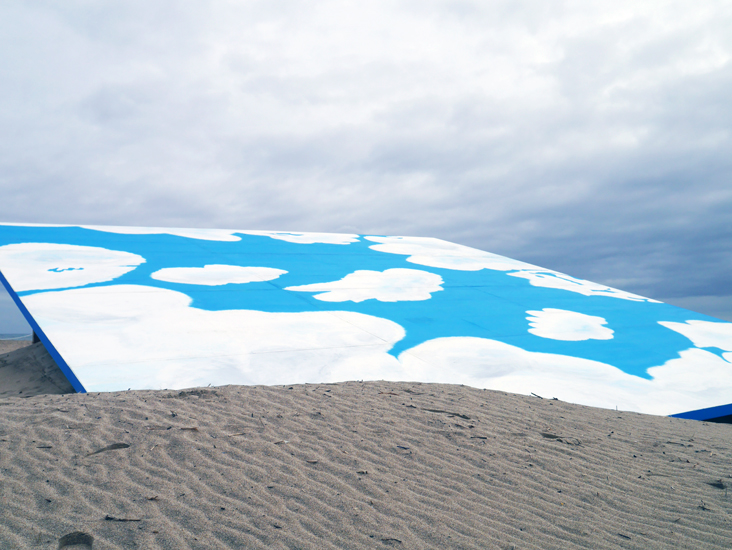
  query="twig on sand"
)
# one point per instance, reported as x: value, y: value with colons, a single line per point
x: 112, y: 447
x: 463, y: 416
x: 112, y: 518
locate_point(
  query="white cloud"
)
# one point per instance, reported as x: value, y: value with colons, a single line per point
x: 229, y: 235
x: 695, y: 380
x: 122, y: 336
x: 704, y: 334
x: 34, y: 224
x: 307, y: 238
x: 214, y: 275
x: 560, y: 324
x: 43, y: 266
x: 700, y: 372
x: 190, y: 233
x: 439, y: 253
x: 391, y: 285
x: 560, y: 281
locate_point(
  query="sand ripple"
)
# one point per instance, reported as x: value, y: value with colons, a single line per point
x: 356, y: 465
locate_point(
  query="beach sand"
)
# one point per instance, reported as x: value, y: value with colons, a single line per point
x: 356, y: 465
x: 6, y: 346
x: 29, y: 370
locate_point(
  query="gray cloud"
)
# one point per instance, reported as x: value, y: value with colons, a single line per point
x: 589, y: 138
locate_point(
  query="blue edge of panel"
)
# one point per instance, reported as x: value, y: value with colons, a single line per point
x: 68, y: 373
x: 709, y: 413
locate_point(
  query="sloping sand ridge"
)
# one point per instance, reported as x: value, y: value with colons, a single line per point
x: 29, y: 370
x: 356, y: 465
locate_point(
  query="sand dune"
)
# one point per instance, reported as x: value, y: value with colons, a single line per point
x: 6, y: 346
x: 356, y: 465
x: 29, y: 370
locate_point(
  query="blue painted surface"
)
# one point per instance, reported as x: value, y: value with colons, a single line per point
x: 483, y: 304
x: 706, y: 414
x: 68, y: 373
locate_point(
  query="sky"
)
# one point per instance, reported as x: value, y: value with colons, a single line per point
x: 592, y: 138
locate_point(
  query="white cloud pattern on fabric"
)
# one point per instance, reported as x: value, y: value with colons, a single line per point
x: 215, y: 274
x: 35, y: 224
x: 192, y: 233
x: 438, y: 253
x: 229, y: 235
x: 485, y: 363
x: 391, y: 285
x: 571, y: 326
x: 160, y: 341
x: 704, y: 334
x: 306, y: 238
x: 446, y: 255
x: 153, y: 338
x: 552, y: 279
x: 45, y: 266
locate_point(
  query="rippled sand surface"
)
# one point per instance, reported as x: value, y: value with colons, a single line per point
x: 355, y: 465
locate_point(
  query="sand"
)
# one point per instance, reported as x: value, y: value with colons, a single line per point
x: 29, y: 370
x: 355, y: 465
x: 6, y: 346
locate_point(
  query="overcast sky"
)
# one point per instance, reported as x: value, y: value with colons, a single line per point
x: 588, y: 137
